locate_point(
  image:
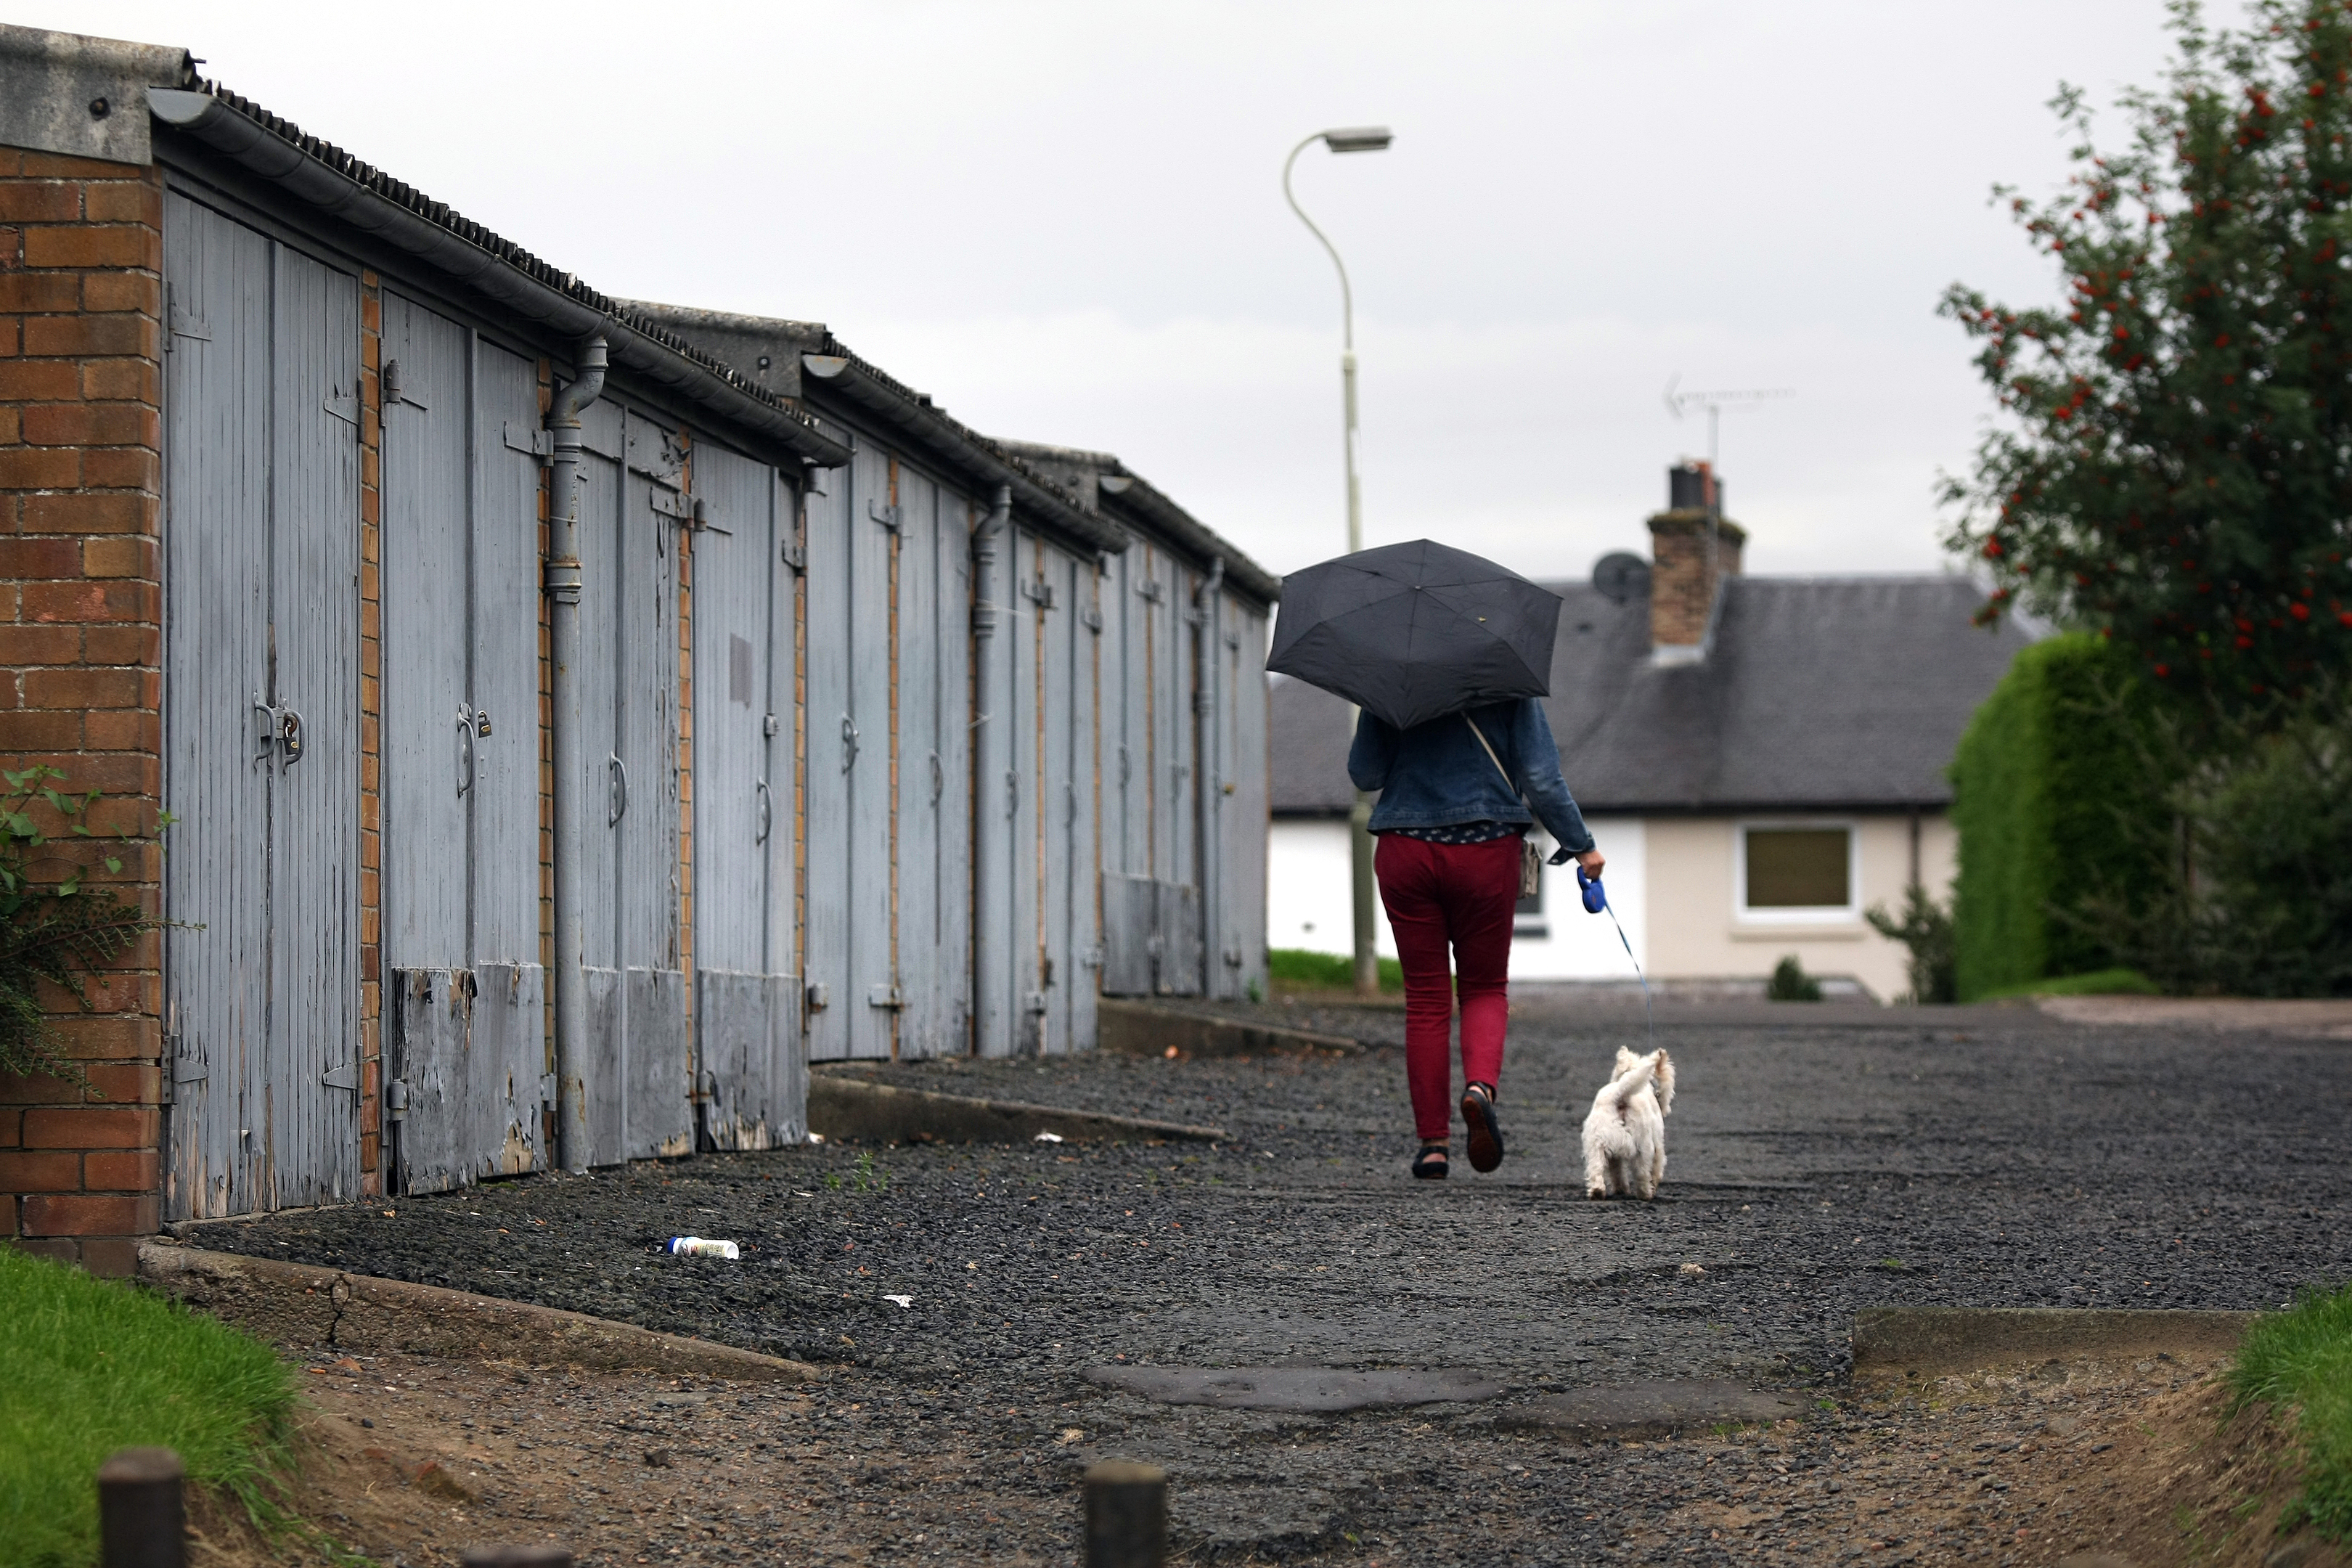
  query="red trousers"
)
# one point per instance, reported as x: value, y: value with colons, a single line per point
x: 1465, y: 895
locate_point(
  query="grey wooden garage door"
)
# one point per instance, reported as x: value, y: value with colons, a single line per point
x: 464, y: 994
x: 261, y: 720
x: 751, y: 1072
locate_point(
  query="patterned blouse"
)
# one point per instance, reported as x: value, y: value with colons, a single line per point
x: 1461, y: 832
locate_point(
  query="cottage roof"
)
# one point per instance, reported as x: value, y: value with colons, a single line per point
x: 1816, y: 693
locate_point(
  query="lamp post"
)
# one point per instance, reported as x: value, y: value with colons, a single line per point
x: 1359, y: 139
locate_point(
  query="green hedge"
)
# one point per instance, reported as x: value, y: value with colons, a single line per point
x: 2054, y: 795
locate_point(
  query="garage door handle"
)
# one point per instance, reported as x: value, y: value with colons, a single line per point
x: 464, y: 748
x: 618, y: 806
x: 939, y: 779
x: 767, y: 812
x: 848, y: 744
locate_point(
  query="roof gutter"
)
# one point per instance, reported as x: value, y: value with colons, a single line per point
x: 316, y: 181
x: 1138, y: 495
x: 859, y: 383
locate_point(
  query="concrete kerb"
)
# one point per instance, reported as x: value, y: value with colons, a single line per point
x: 292, y: 1304
x: 845, y: 1107
x: 1894, y: 1342
x: 1142, y: 1029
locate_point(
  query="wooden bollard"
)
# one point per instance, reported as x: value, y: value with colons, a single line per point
x: 142, y: 1520
x: 1126, y: 1515
x: 516, y: 1557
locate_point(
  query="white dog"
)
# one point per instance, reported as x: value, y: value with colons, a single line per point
x: 1625, y: 1136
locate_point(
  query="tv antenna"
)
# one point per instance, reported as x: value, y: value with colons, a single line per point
x: 1714, y: 403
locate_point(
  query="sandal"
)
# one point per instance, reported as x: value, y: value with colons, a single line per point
x: 1485, y: 1132
x: 1429, y: 1165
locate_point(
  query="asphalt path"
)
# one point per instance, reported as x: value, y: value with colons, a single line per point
x: 1820, y: 1161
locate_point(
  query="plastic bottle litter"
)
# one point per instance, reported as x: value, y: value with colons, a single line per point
x: 1048, y: 1138
x: 702, y: 1247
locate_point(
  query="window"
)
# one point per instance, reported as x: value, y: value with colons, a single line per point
x: 1797, y: 872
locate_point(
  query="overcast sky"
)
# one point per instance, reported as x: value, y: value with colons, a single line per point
x: 1064, y: 221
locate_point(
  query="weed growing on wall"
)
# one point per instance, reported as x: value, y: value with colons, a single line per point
x: 57, y: 927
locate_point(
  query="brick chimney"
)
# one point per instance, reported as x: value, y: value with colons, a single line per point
x: 1687, y: 564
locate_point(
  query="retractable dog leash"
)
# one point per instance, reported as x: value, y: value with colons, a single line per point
x: 1596, y: 899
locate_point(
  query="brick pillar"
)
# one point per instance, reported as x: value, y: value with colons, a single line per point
x: 80, y: 658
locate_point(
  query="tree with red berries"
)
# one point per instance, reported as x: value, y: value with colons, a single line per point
x: 2173, y: 465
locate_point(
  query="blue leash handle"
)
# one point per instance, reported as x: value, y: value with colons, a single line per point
x: 1596, y: 899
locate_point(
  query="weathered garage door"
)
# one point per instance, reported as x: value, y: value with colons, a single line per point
x: 261, y: 720
x: 1151, y: 902
x: 1247, y: 819
x: 1124, y: 758
x: 464, y: 993
x: 749, y: 1069
x: 934, y: 768
x: 1069, y: 866
x: 631, y: 506
x: 852, y: 992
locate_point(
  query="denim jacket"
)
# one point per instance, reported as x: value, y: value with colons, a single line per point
x: 1437, y: 774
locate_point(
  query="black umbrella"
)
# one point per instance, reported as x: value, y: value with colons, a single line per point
x: 1412, y: 632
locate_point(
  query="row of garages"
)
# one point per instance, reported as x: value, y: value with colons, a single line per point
x: 551, y: 790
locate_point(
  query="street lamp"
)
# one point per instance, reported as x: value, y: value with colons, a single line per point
x: 1357, y: 139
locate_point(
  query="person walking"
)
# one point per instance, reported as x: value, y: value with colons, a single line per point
x: 1456, y: 793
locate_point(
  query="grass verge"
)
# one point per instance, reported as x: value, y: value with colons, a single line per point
x: 2098, y: 983
x: 1325, y: 971
x: 88, y: 1366
x: 2300, y: 1361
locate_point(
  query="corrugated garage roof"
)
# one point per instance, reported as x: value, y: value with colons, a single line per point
x: 1818, y: 693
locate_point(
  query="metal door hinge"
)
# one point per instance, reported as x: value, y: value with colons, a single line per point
x: 1040, y: 593
x: 185, y: 323
x: 393, y: 392
x: 795, y: 556
x: 1091, y: 958
x: 1151, y: 589
x: 885, y: 996
x: 1034, y: 1003
x: 700, y: 521
x: 530, y: 441
x: 770, y: 726
x: 671, y: 504
x: 1233, y: 958
x: 343, y: 405
x: 1092, y: 615
x: 395, y: 1100
x: 184, y: 1070
x: 817, y: 997
x: 890, y: 517
x: 345, y: 1077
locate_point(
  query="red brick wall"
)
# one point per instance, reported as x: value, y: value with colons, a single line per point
x: 80, y: 656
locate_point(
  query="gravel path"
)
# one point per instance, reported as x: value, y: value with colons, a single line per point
x: 1822, y: 1160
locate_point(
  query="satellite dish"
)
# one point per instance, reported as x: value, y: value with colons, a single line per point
x: 1621, y: 576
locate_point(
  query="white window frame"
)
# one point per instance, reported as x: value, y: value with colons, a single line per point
x: 1846, y: 913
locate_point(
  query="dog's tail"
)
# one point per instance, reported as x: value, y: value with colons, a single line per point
x: 1630, y: 1078
x: 1665, y: 1082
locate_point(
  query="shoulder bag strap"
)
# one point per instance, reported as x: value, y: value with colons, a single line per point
x: 1484, y: 746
